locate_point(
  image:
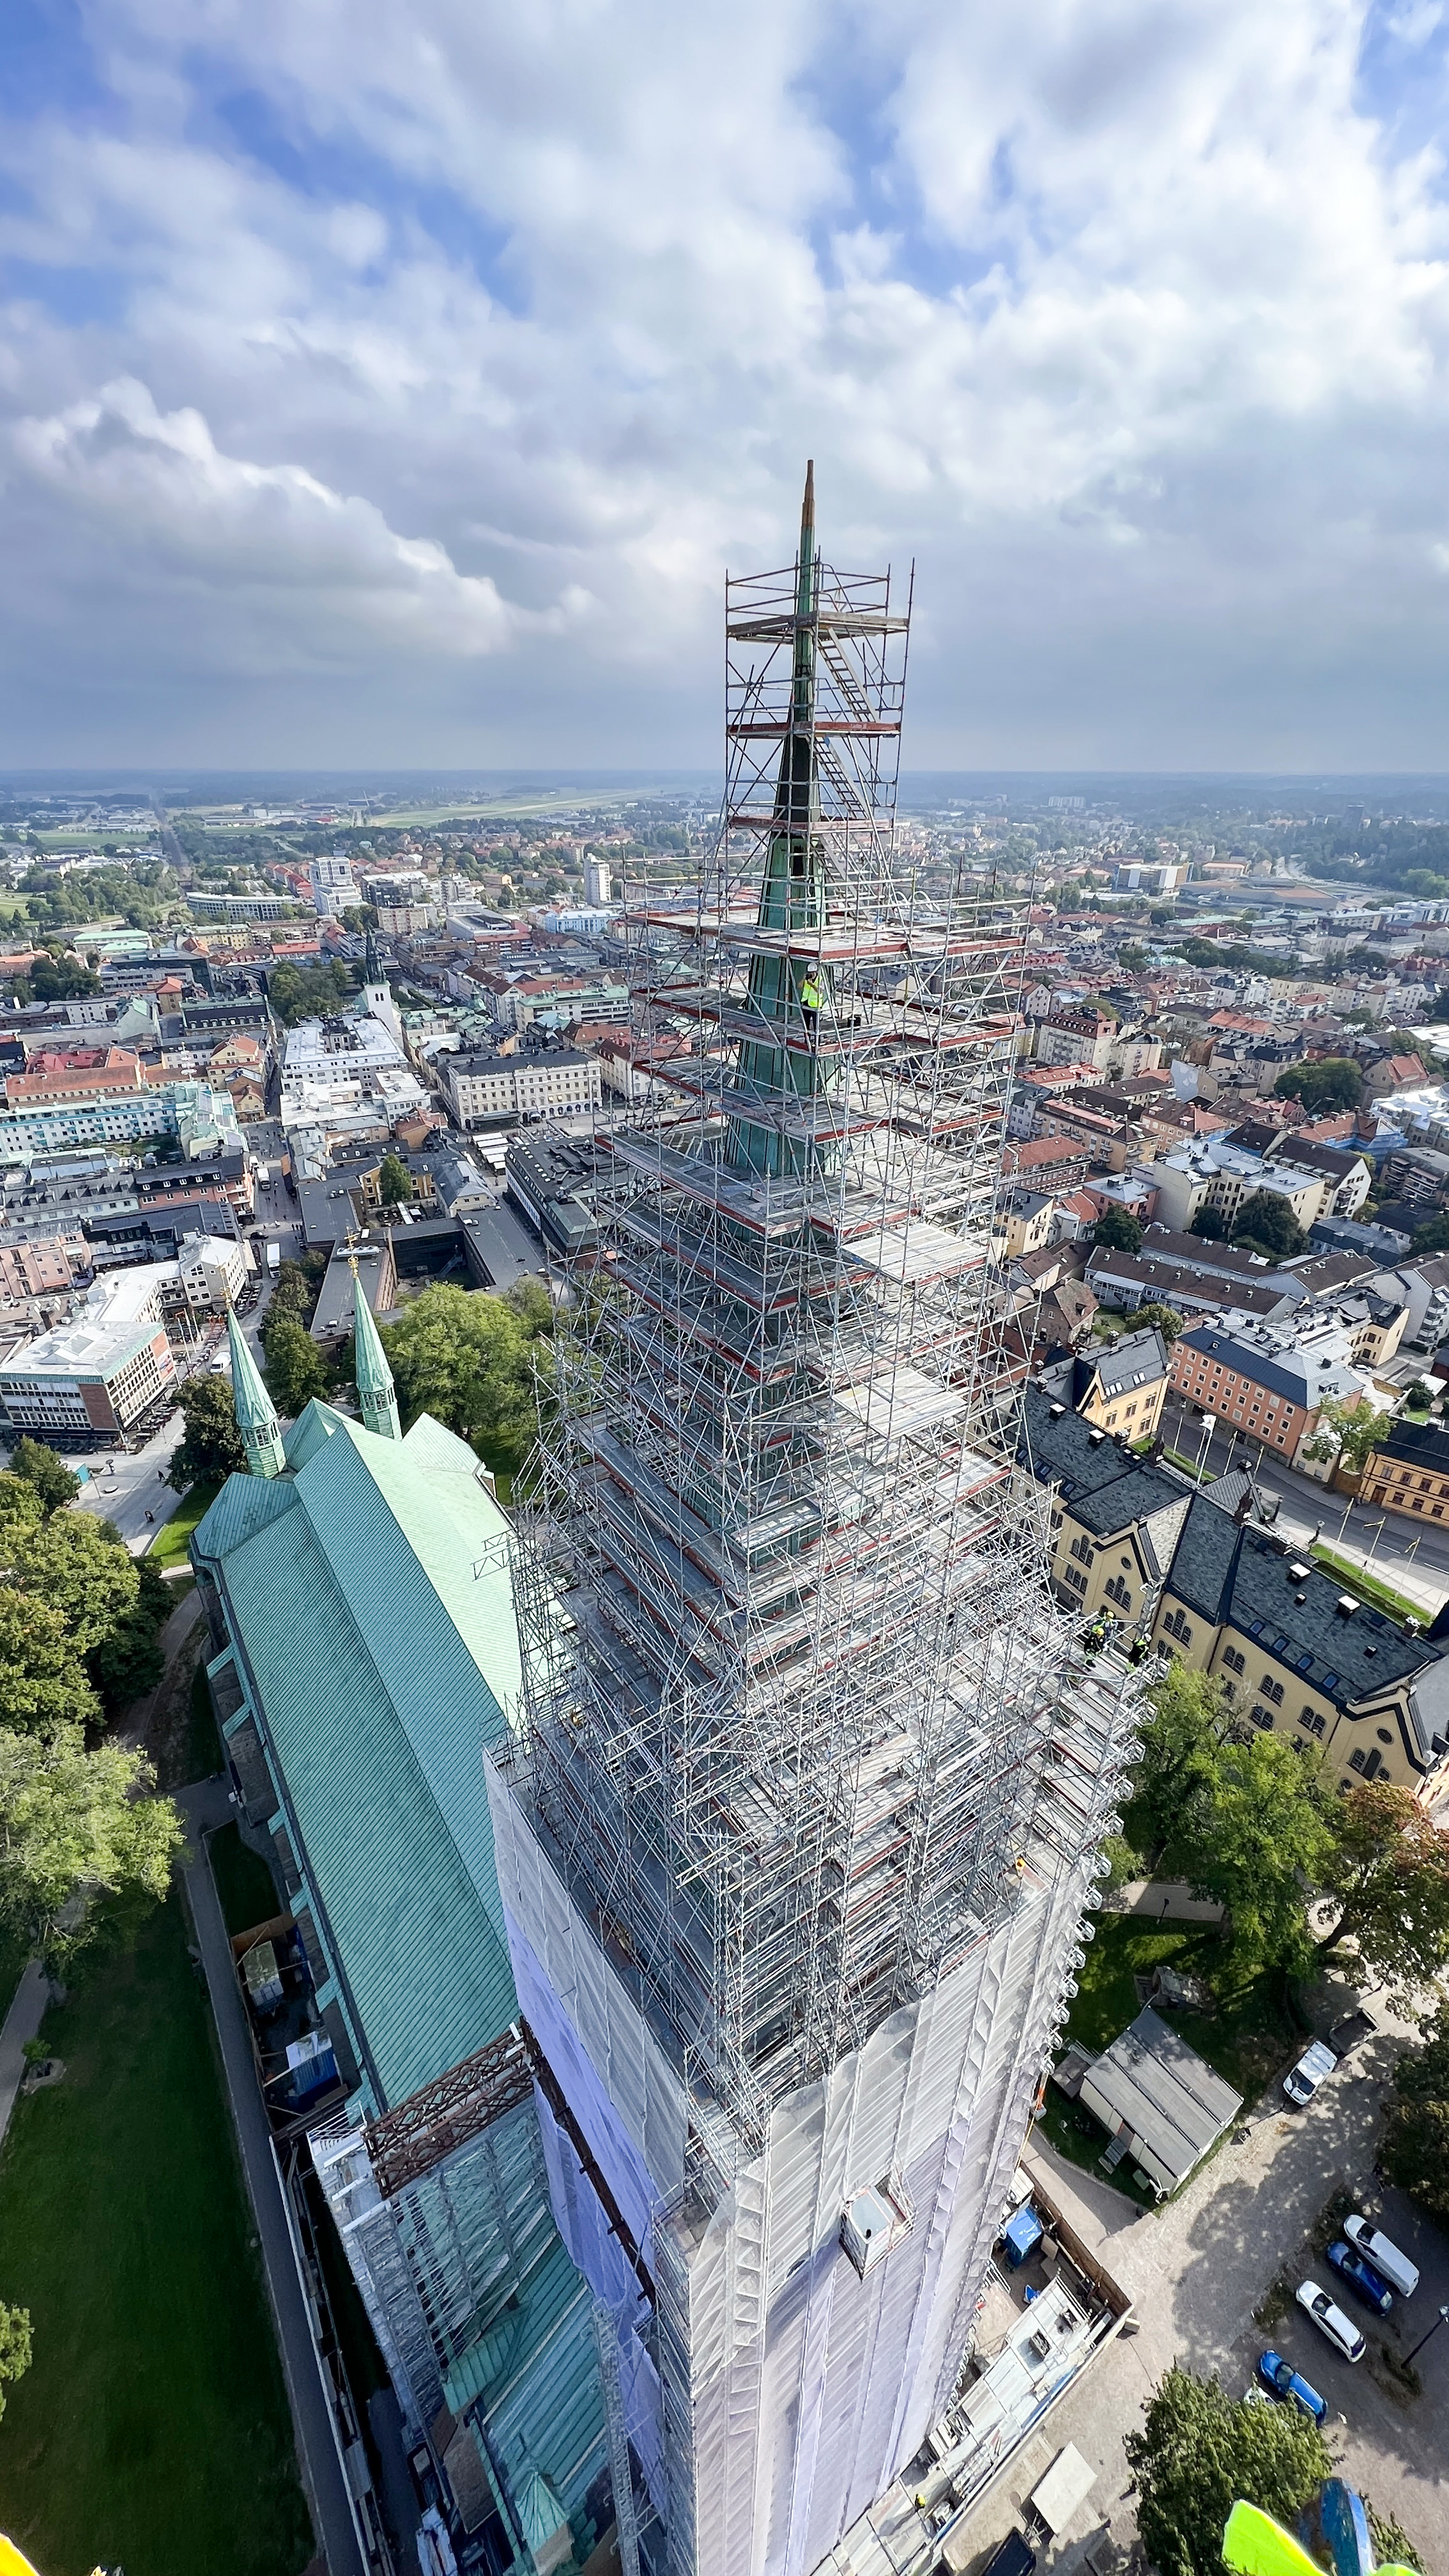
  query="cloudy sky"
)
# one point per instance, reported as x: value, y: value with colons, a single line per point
x: 392, y: 380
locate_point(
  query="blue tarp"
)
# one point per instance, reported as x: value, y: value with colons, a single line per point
x: 1022, y: 2236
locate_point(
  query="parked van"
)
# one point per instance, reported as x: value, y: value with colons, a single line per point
x: 1381, y: 2251
x: 1302, y: 2081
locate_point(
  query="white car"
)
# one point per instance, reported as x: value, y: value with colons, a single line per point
x: 1330, y: 2320
x: 1302, y: 2081
x: 1383, y: 2253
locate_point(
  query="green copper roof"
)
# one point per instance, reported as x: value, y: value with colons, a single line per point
x: 370, y: 1591
x: 374, y: 1377
x: 255, y: 1410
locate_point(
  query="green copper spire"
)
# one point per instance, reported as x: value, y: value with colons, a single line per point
x: 256, y: 1415
x: 793, y: 893
x: 375, y: 1392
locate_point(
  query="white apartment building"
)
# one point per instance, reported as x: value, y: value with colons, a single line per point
x: 88, y: 1383
x: 333, y: 885
x: 558, y: 1083
x: 598, y: 880
x: 1209, y: 1173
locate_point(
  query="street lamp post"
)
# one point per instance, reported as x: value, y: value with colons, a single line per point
x: 1441, y: 2319
x: 1379, y: 1527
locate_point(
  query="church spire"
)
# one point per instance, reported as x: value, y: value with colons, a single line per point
x: 375, y: 1393
x: 256, y: 1415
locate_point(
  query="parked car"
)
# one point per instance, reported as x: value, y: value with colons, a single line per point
x: 1383, y: 2254
x: 1361, y: 2277
x: 1302, y: 2081
x: 1330, y: 2320
x: 1281, y: 2380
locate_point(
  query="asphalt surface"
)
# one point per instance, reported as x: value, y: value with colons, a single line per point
x: 1384, y: 1538
x: 205, y: 1807
x: 1198, y: 2267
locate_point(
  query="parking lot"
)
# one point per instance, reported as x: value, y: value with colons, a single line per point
x: 1197, y: 2269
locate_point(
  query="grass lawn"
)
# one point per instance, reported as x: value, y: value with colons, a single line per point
x: 152, y: 2429
x: 1368, y: 1587
x: 1248, y: 2037
x: 245, y: 1886
x: 203, y: 1755
x: 169, y: 1545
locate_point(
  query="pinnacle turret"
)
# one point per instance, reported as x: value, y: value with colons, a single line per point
x: 256, y: 1415
x: 375, y: 1392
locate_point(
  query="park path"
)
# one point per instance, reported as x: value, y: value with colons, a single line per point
x: 22, y: 2022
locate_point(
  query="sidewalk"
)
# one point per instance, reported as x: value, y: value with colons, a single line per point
x: 1162, y: 1900
x: 22, y: 2022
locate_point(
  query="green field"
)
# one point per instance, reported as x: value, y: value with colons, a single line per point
x: 170, y: 1544
x: 152, y: 2430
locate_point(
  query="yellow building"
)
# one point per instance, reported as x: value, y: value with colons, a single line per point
x: 1116, y: 1386
x: 1301, y: 1659
x: 1115, y: 1520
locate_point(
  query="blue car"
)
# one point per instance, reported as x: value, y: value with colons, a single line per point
x: 1361, y: 2277
x: 1281, y: 2380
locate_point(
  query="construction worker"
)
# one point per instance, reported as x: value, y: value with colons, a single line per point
x: 811, y: 998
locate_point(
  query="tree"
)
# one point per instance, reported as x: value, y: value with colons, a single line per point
x: 1266, y: 1223
x: 42, y: 1679
x: 464, y: 1357
x: 129, y: 1660
x: 294, y: 1372
x: 14, y: 2346
x: 54, y: 1482
x: 1186, y: 1720
x: 73, y: 1562
x: 533, y: 1306
x: 212, y: 1446
x: 1116, y: 1230
x: 1166, y: 1319
x: 73, y: 1821
x: 1209, y: 1225
x: 1199, y: 2451
x: 1344, y: 1434
x: 1387, y: 1876
x: 1335, y: 1083
x: 1255, y: 1836
x: 1416, y: 2133
x: 394, y: 1181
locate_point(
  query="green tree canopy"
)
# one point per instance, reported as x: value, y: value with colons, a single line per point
x: 54, y: 1482
x: 1416, y: 2133
x: 211, y: 1446
x: 1266, y: 1223
x: 1116, y: 1230
x: 1209, y: 1225
x: 129, y: 1660
x: 1166, y: 1318
x: 1344, y: 1434
x: 295, y: 1371
x: 73, y: 1562
x: 464, y: 1356
x: 1186, y: 1721
x: 1199, y: 2451
x: 1335, y: 1083
x: 14, y: 2346
x: 43, y: 1681
x: 1255, y: 1836
x: 1387, y: 1875
x: 394, y: 1181
x: 73, y: 1821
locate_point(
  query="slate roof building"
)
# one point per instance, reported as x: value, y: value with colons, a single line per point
x: 357, y: 1590
x: 1115, y: 1518
x: 1296, y: 1655
x: 1119, y: 1386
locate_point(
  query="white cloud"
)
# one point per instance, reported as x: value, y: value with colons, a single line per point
x: 272, y: 539
x: 1125, y: 316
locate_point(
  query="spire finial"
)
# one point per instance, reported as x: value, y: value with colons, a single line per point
x: 807, y: 506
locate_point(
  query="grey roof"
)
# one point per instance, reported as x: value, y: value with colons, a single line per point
x: 1102, y: 1484
x: 1168, y: 2096
x: 1137, y: 1359
x: 1241, y: 1578
x: 1183, y: 1284
x: 1302, y: 1378
x: 1165, y: 1242
x: 1417, y: 1444
x: 500, y: 1249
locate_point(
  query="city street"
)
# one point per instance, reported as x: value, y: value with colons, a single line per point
x: 1309, y: 1509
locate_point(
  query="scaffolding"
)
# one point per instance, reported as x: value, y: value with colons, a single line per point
x: 803, y: 1730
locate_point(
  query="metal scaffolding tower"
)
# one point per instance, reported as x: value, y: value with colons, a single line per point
x: 813, y: 1772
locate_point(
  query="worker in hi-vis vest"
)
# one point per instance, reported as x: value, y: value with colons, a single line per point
x: 811, y: 996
